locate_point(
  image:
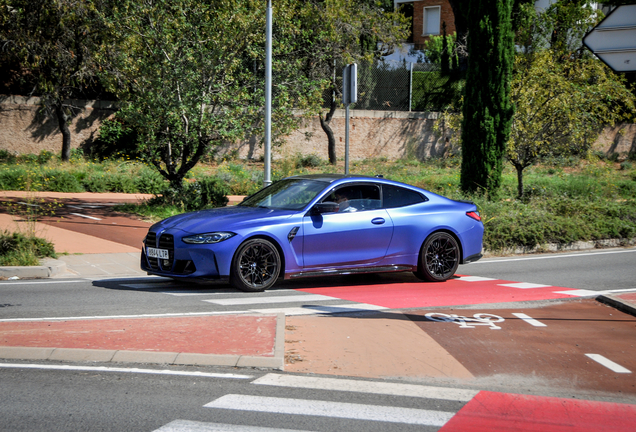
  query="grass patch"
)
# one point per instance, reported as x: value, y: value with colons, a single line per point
x: 17, y: 249
x: 566, y: 200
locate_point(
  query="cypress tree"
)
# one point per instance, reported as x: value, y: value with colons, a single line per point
x: 487, y: 110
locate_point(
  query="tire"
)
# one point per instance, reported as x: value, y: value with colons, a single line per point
x: 256, y: 266
x: 439, y: 258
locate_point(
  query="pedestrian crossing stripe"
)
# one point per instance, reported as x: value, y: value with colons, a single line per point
x: 343, y: 410
x: 371, y: 387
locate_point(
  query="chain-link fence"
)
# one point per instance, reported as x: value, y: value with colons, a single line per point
x: 404, y: 86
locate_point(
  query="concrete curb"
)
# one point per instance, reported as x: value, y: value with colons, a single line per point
x: 171, y: 358
x: 568, y: 247
x: 617, y: 303
x: 48, y: 268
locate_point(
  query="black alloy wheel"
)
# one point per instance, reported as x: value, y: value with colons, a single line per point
x: 439, y: 258
x: 256, y: 266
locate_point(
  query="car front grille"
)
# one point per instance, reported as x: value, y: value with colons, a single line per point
x: 166, y: 241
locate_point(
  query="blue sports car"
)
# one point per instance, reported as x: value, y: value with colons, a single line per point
x: 313, y: 225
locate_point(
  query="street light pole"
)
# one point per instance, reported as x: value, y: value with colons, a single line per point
x: 268, y: 96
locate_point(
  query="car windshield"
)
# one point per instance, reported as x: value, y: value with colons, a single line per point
x: 289, y: 194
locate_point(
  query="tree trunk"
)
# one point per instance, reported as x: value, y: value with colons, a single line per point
x: 331, y: 140
x: 62, y: 120
x: 519, y: 180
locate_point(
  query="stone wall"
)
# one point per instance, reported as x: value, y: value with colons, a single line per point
x: 24, y: 128
x: 372, y: 134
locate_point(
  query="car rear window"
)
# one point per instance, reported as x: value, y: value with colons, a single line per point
x: 394, y: 196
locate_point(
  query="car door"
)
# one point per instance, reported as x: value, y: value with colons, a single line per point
x: 357, y: 235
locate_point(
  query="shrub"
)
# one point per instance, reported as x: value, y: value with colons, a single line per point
x: 6, y: 157
x: 116, y: 139
x: 12, y: 179
x: 149, y: 181
x: 62, y: 181
x: 17, y: 249
x: 44, y: 157
x: 308, y: 161
x: 204, y: 193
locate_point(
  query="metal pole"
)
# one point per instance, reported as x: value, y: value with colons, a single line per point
x: 411, y: 88
x: 268, y: 97
x: 346, y: 139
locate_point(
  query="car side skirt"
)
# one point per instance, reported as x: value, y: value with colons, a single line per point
x: 472, y: 258
x: 353, y: 270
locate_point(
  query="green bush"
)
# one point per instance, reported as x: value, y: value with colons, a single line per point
x: 17, y: 249
x: 116, y: 139
x: 308, y: 161
x: 206, y: 192
x: 6, y: 157
x: 12, y: 179
x: 149, y: 181
x: 59, y: 180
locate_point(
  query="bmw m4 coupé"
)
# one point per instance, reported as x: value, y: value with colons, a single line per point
x: 314, y: 225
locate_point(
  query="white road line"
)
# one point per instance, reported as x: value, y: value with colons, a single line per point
x: 529, y: 320
x: 194, y: 426
x: 614, y: 367
x: 166, y: 284
x: 494, y: 261
x: 393, y: 389
x: 267, y: 300
x: 475, y: 279
x: 85, y: 206
x: 579, y: 293
x: 590, y: 293
x: 316, y: 309
x: 525, y: 285
x: 124, y: 370
x: 332, y: 409
x: 85, y: 216
x: 166, y: 315
x: 28, y: 204
x: 195, y: 293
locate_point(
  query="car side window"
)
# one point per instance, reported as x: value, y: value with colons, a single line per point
x: 394, y: 196
x: 355, y: 198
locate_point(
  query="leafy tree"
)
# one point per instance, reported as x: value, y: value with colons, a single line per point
x: 487, y: 110
x: 563, y: 96
x: 561, y: 107
x: 49, y: 47
x: 190, y: 74
x: 338, y: 32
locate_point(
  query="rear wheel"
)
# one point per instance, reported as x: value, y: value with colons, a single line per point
x: 256, y: 266
x: 439, y: 258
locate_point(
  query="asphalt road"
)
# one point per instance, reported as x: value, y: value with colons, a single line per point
x: 92, y: 400
x: 595, y: 270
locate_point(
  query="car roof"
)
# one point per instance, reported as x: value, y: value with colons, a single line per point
x: 330, y: 178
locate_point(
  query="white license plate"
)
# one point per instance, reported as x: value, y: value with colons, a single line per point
x: 157, y: 253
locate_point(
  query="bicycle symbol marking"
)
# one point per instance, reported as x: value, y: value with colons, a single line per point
x: 465, y: 322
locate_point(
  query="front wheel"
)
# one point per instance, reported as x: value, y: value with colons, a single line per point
x: 439, y: 258
x: 256, y: 266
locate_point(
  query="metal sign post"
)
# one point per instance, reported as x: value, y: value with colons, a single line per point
x: 614, y: 39
x: 349, y: 96
x: 268, y: 96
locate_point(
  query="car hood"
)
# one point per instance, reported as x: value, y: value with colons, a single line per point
x: 222, y: 219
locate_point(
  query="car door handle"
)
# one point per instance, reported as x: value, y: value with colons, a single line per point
x: 378, y: 221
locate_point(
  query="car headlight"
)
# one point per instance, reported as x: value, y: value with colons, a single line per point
x: 208, y: 238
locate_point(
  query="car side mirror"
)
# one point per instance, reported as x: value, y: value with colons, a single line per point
x: 325, y: 207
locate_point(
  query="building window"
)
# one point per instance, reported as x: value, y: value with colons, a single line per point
x: 431, y: 20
